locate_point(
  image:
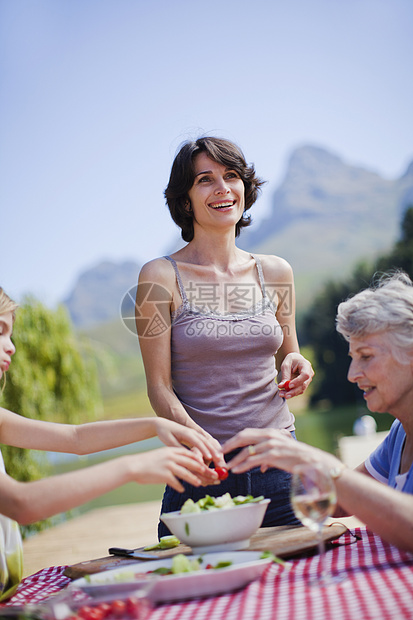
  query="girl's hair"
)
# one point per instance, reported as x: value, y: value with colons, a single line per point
x: 387, y: 306
x: 6, y: 305
x: 182, y: 179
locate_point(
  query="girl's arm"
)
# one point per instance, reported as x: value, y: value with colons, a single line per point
x: 384, y: 510
x: 27, y: 502
x: 290, y: 364
x: 21, y: 432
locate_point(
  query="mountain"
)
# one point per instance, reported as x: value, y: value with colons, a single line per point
x: 327, y: 215
x: 97, y: 295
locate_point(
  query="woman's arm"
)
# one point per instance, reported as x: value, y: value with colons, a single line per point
x: 384, y: 510
x: 27, y: 502
x: 156, y: 350
x: 291, y: 365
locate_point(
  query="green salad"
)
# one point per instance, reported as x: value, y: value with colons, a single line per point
x: 216, y: 503
x: 182, y: 564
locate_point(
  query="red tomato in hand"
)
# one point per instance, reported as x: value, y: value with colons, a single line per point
x: 222, y: 472
x: 286, y: 386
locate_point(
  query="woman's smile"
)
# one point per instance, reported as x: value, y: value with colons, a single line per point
x: 225, y: 205
x: 216, y: 189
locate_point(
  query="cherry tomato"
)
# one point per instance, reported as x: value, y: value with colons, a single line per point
x: 209, y: 566
x: 105, y: 609
x: 286, y: 386
x: 133, y: 606
x: 96, y: 614
x: 118, y: 608
x: 222, y: 472
x: 86, y: 612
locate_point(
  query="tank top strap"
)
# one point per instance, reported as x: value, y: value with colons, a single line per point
x: 178, y: 278
x: 260, y: 273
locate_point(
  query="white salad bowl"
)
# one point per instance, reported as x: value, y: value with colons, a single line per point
x: 225, y: 529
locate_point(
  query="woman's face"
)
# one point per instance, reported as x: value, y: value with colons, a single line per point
x: 386, y: 383
x: 217, y: 195
x: 7, y: 348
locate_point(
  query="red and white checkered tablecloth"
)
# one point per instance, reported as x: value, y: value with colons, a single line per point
x: 377, y: 585
x: 39, y: 586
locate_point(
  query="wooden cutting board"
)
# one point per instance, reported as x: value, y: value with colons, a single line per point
x: 284, y: 541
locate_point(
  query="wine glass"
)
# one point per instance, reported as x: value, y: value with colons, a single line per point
x: 313, y: 498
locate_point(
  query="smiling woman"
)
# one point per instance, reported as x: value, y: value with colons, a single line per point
x: 216, y: 189
x: 183, y: 176
x: 378, y: 324
x: 226, y: 327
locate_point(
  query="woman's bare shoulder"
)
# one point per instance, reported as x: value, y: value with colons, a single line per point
x: 158, y: 270
x: 275, y: 268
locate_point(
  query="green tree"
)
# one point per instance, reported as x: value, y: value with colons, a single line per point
x: 52, y: 377
x: 330, y: 350
x: 318, y: 326
x: 401, y: 256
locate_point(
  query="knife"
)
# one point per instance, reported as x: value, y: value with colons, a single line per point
x: 133, y: 553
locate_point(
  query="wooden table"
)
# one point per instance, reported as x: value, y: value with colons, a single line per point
x: 284, y: 541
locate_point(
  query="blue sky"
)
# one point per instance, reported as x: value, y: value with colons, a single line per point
x: 97, y: 95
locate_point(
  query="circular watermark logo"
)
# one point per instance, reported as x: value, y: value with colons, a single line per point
x: 145, y: 309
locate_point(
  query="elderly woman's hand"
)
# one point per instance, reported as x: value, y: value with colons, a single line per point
x: 270, y: 447
x: 296, y: 375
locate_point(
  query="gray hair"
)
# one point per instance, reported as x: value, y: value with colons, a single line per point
x: 387, y: 306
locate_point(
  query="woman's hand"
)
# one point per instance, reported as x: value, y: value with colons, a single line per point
x: 296, y: 375
x: 267, y: 447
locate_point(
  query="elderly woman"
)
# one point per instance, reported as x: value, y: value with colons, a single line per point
x: 378, y: 324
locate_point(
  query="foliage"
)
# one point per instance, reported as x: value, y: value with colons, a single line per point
x: 330, y: 350
x: 52, y: 377
x: 402, y: 254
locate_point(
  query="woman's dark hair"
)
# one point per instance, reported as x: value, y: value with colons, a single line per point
x: 182, y: 179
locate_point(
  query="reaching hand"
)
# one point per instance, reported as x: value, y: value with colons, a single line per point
x: 297, y: 374
x: 174, y: 434
x: 168, y: 465
x: 268, y: 447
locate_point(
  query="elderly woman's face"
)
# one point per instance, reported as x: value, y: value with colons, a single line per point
x: 387, y: 384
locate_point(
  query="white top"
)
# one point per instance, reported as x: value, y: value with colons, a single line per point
x: 11, y: 553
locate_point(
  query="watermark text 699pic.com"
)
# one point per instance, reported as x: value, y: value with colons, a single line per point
x: 145, y: 308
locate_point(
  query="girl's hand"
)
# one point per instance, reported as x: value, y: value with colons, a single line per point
x: 168, y: 465
x: 174, y: 434
x: 297, y: 374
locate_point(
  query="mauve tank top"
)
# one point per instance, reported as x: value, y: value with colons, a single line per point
x: 223, y: 365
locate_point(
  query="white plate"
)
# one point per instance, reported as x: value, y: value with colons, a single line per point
x: 246, y: 566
